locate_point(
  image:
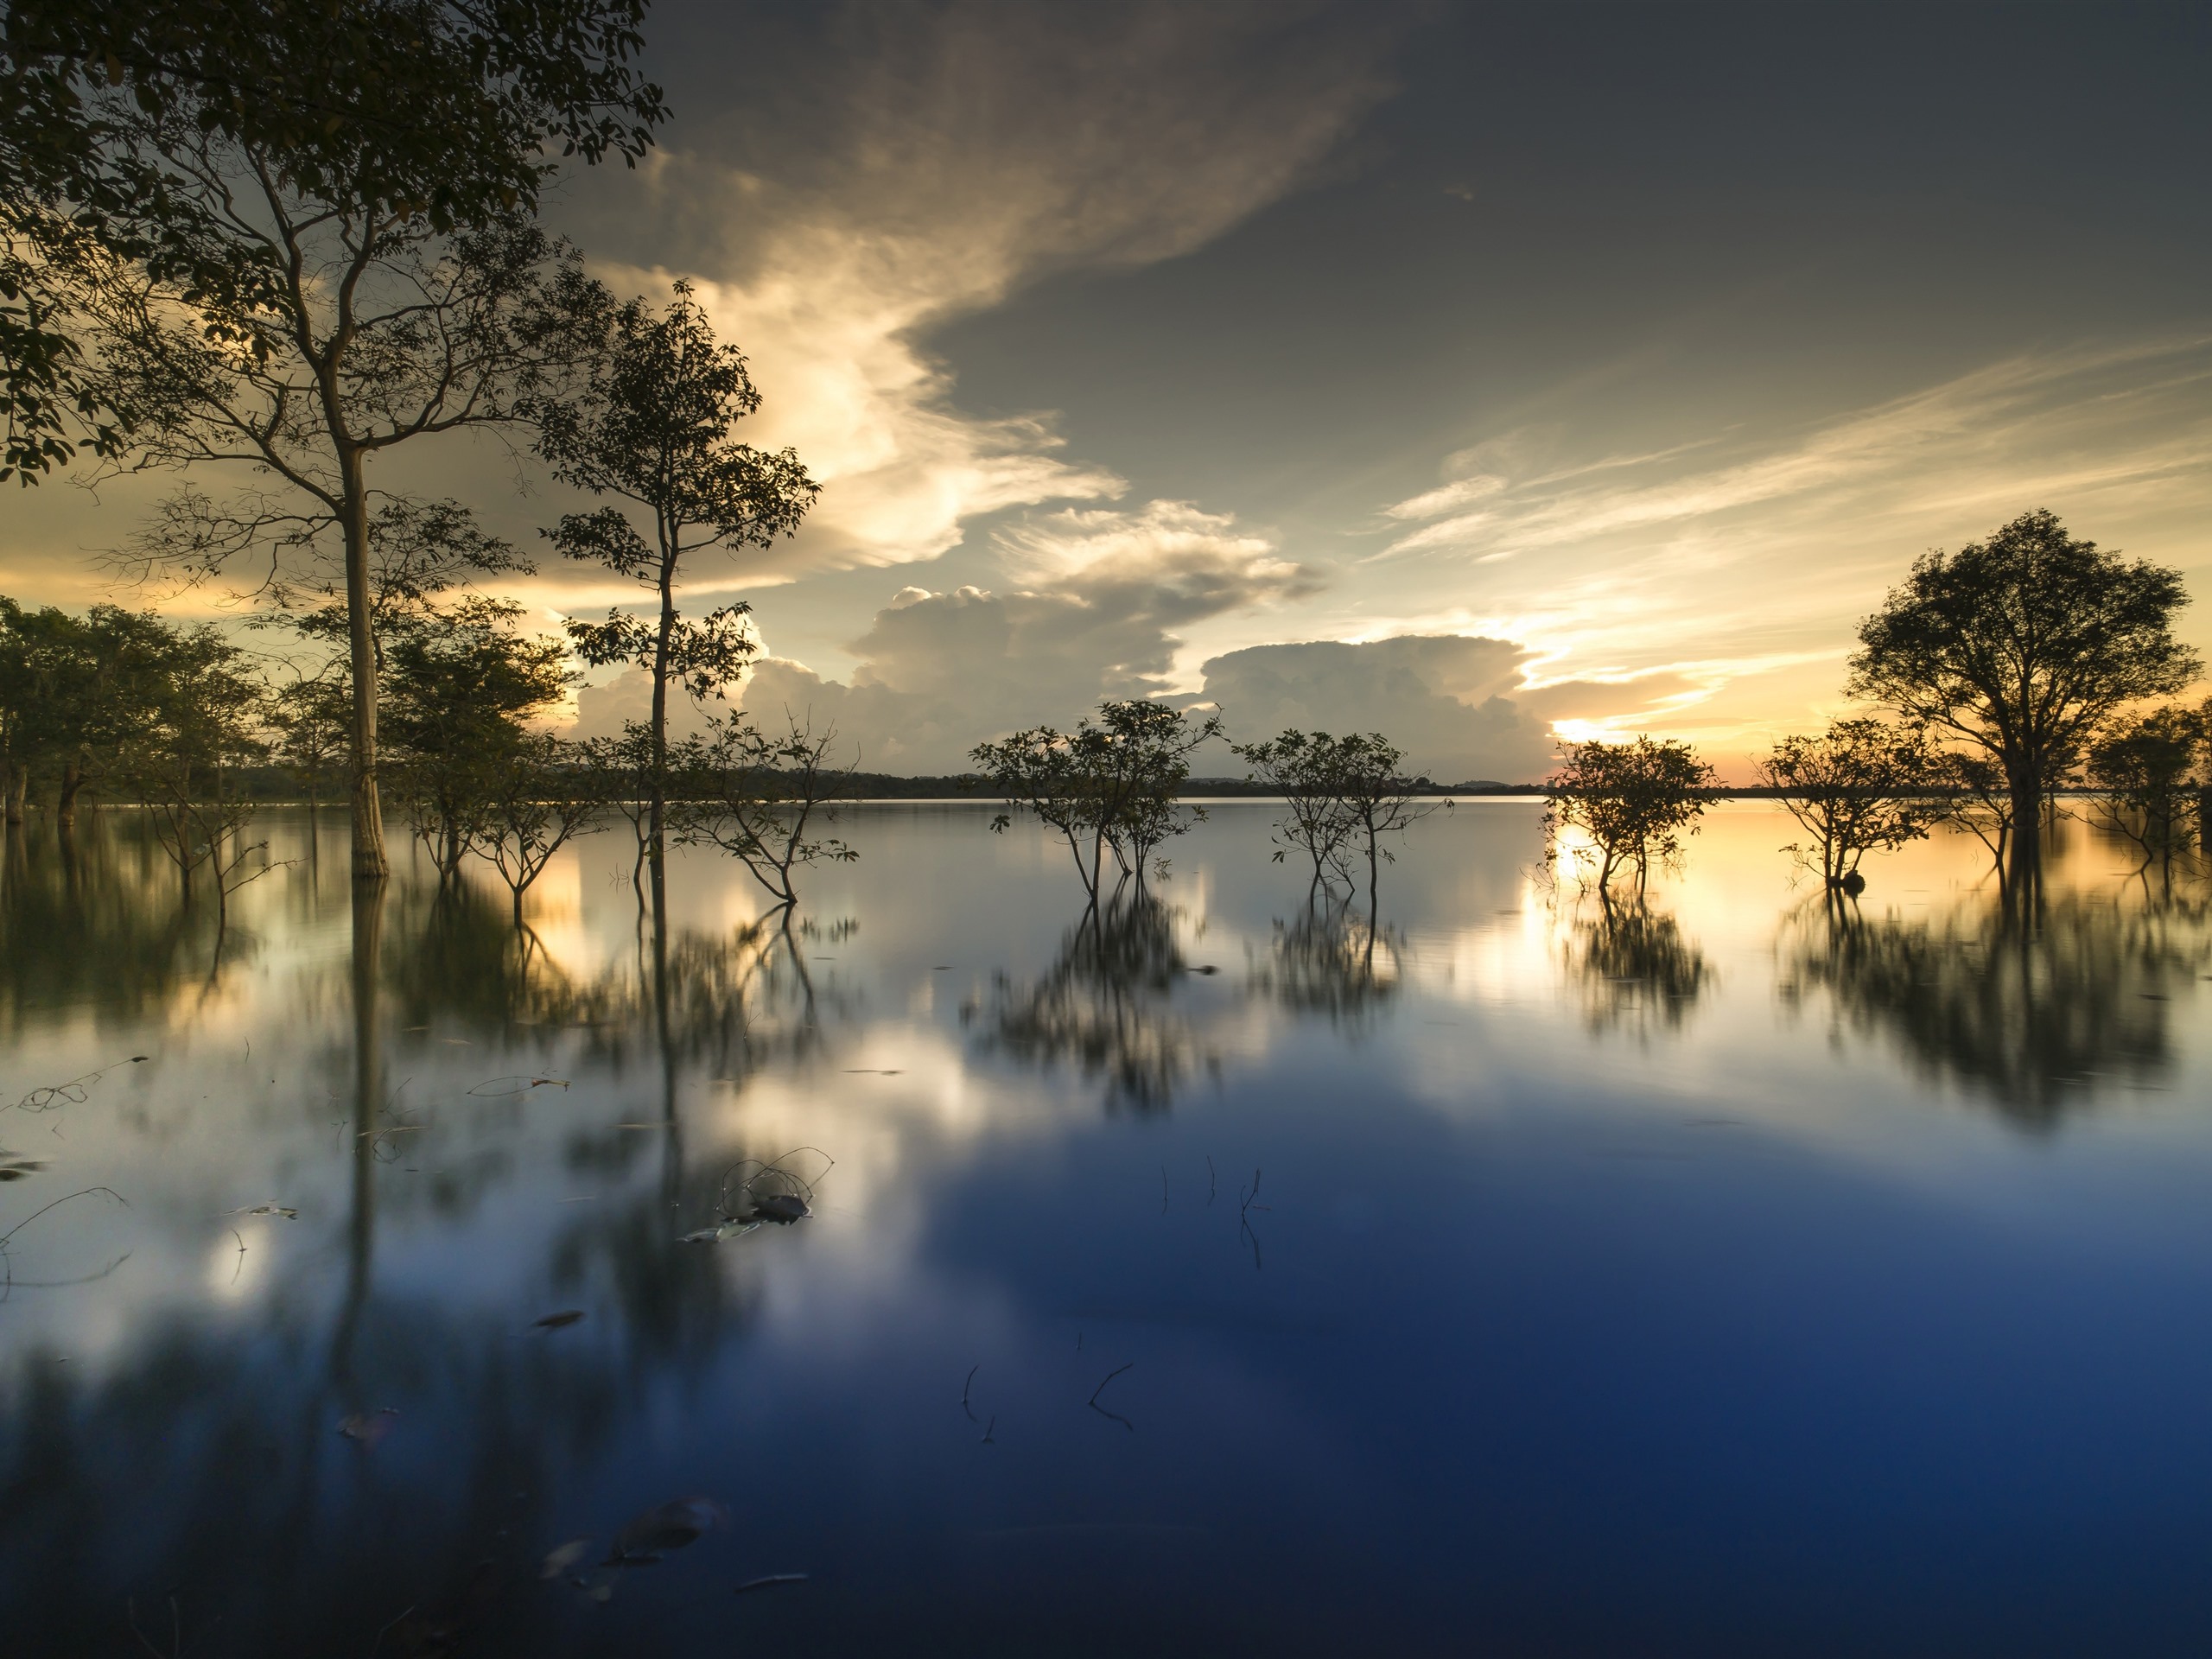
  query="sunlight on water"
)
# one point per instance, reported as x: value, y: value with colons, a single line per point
x: 1518, y: 1267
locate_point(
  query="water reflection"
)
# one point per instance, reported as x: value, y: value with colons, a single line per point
x: 94, y: 921
x: 2032, y: 1010
x: 1332, y: 961
x: 294, y: 1498
x: 1638, y: 971
x: 1106, y: 1007
x: 1487, y: 1194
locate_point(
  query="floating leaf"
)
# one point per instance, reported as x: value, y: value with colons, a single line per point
x: 284, y: 1210
x: 13, y: 1168
x: 782, y: 1208
x: 671, y: 1526
x: 555, y: 1321
x: 560, y: 1561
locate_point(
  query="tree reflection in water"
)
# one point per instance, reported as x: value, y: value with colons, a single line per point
x: 1333, y: 962
x: 209, y: 1466
x: 2033, y: 1010
x: 1638, y: 971
x: 95, y: 921
x: 1106, y: 1007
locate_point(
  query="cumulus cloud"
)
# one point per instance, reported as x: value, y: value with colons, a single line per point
x: 1098, y: 597
x: 1446, y: 699
x: 955, y: 153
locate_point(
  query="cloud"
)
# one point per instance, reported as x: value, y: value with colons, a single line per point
x: 1446, y: 700
x: 1100, y: 598
x: 1760, y: 549
x: 954, y: 155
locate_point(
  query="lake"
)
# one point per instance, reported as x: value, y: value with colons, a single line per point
x: 1741, y: 1275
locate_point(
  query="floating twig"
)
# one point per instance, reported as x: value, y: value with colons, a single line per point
x: 1244, y: 1207
x: 770, y: 1582
x: 82, y: 1192
x: 1100, y: 1410
x: 383, y: 1633
x: 72, y: 1092
x: 516, y: 1086
x: 964, y: 1387
x: 987, y: 1439
x: 1108, y: 1377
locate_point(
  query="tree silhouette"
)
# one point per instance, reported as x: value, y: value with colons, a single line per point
x: 2022, y: 646
x: 1634, y: 801
x: 1861, y: 786
x: 651, y: 428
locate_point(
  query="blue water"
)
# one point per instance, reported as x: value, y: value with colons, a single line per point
x: 1735, y: 1276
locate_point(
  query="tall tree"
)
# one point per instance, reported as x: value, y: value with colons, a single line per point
x: 651, y: 427
x: 450, y: 107
x: 248, y: 292
x: 2023, y: 647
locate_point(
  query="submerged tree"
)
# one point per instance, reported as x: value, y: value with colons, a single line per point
x: 1977, y: 799
x: 80, y: 694
x: 307, y: 721
x: 760, y: 798
x: 625, y: 766
x: 1861, y: 786
x: 461, y: 684
x: 1301, y: 767
x: 650, y: 426
x: 2023, y: 647
x: 1634, y: 801
x: 1342, y: 797
x: 537, y: 794
x: 2146, y: 774
x: 1378, y: 801
x: 207, y: 722
x: 1108, y: 786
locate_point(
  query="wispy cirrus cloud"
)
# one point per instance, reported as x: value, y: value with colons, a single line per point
x: 956, y: 153
x: 1758, y: 550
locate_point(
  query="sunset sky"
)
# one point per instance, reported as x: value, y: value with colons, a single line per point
x: 1474, y: 373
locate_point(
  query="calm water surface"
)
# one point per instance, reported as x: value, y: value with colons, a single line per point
x: 1734, y: 1278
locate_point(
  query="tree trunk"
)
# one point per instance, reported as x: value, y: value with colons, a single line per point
x: 370, y: 863
x: 2027, y: 832
x: 65, y: 812
x: 19, y: 781
x: 657, y: 849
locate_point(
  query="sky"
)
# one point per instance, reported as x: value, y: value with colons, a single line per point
x: 1483, y: 375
